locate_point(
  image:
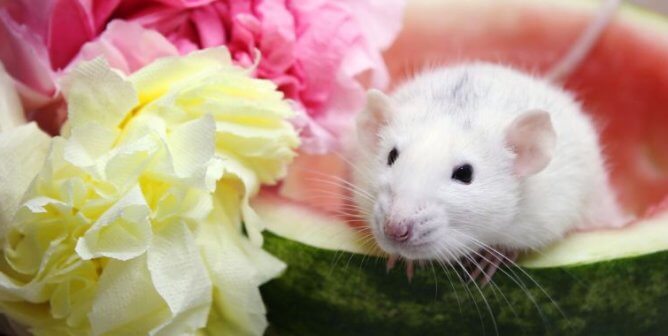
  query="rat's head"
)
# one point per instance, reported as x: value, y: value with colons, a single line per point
x: 438, y: 183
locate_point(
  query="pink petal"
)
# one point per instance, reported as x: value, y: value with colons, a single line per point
x: 327, y: 33
x: 289, y: 83
x: 162, y: 18
x: 380, y: 20
x: 182, y: 4
x: 278, y: 37
x: 26, y: 59
x: 338, y: 51
x: 185, y: 39
x: 69, y: 28
x: 127, y: 54
x: 209, y: 26
x: 245, y: 30
x: 315, y: 139
x: 101, y: 11
x: 32, y: 13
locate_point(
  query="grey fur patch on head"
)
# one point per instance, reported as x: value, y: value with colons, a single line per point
x: 458, y: 90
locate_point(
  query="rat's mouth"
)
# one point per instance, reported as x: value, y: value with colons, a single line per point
x: 411, y: 249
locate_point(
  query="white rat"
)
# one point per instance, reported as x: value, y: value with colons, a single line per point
x: 479, y: 158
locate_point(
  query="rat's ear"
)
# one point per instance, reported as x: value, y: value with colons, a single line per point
x: 532, y: 138
x: 374, y: 115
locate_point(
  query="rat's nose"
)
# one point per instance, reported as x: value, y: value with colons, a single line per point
x: 399, y: 231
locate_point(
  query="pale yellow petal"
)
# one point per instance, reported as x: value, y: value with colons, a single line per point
x: 29, y: 246
x: 127, y: 303
x: 26, y: 313
x: 88, y: 142
x: 266, y: 265
x: 74, y: 292
x: 237, y: 269
x: 181, y: 279
x: 123, y: 232
x: 192, y: 147
x: 129, y: 161
x: 96, y: 93
x: 267, y: 151
x: 160, y: 76
x: 192, y: 204
x: 23, y: 151
x: 249, y: 187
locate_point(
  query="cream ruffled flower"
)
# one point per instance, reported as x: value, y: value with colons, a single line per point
x: 133, y: 224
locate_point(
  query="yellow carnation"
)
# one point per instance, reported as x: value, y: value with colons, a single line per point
x: 133, y: 224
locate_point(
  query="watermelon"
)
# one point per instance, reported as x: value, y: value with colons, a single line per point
x: 604, y: 282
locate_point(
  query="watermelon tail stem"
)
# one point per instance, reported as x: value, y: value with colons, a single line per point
x: 585, y: 43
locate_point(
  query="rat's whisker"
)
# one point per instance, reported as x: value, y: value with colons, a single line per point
x: 319, y: 176
x: 482, y: 295
x: 447, y: 274
x: 338, y: 181
x: 491, y: 280
x: 366, y: 172
x: 324, y: 194
x: 433, y: 272
x: 350, y: 191
x: 452, y: 258
x: 517, y: 280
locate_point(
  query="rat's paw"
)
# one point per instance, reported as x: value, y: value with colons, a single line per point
x: 482, y: 266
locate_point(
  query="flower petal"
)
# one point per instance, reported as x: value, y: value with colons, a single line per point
x: 155, y: 79
x: 192, y: 146
x: 209, y: 26
x: 380, y: 20
x: 11, y: 111
x: 175, y: 264
x: 95, y: 93
x: 26, y: 59
x: 237, y: 268
x: 88, y: 142
x: 70, y: 26
x: 128, y: 162
x: 127, y: 54
x: 127, y: 303
x: 27, y: 147
x: 123, y: 232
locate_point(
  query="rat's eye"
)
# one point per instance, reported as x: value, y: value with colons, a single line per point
x: 394, y: 153
x: 463, y: 173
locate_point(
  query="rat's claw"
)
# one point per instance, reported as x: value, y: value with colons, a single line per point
x: 409, y: 270
x: 391, y: 261
x: 490, y: 268
x: 487, y: 263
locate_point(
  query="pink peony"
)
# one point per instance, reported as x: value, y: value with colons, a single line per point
x: 315, y: 50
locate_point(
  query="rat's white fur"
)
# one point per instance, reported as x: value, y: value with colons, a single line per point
x: 451, y: 116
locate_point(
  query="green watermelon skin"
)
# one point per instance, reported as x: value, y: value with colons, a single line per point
x: 325, y: 292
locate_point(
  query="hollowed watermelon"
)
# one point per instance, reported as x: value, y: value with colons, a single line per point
x: 610, y: 282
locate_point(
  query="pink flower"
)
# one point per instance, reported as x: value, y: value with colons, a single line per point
x: 39, y: 39
x: 315, y: 50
